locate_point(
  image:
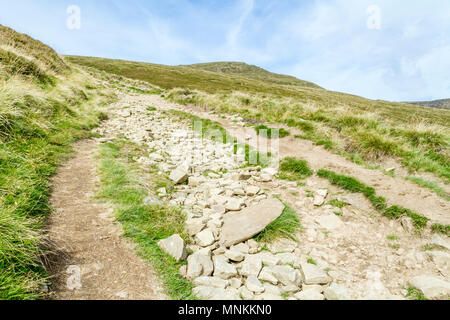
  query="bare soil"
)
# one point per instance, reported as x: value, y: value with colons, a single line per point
x: 87, y: 237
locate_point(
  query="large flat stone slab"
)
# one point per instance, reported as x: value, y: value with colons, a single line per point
x: 243, y: 225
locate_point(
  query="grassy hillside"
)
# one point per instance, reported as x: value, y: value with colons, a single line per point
x: 253, y: 72
x: 364, y: 130
x: 439, y: 104
x: 45, y: 105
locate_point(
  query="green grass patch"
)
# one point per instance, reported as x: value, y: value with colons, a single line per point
x: 353, y: 185
x: 415, y: 294
x: 286, y: 226
x: 439, y: 228
x: 337, y: 204
x: 144, y: 224
x: 293, y: 169
x: 38, y: 125
x: 142, y: 91
x: 392, y: 237
x: 270, y: 133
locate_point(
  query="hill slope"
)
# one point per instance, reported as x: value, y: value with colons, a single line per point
x: 45, y: 105
x: 362, y: 129
x: 438, y: 104
x: 252, y: 72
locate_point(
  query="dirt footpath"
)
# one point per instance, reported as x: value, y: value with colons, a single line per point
x: 95, y: 262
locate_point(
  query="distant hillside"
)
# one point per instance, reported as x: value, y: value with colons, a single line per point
x: 252, y: 72
x: 191, y: 78
x: 438, y: 104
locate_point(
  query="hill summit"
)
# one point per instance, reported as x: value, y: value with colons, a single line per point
x: 250, y: 71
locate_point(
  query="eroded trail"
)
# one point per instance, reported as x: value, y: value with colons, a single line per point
x: 396, y: 190
x: 90, y: 241
x: 370, y: 255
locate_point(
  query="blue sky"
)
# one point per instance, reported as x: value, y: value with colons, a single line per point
x: 403, y: 55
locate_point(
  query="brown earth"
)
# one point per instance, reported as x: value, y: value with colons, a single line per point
x: 87, y: 237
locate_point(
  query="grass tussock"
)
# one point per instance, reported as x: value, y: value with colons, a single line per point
x: 37, y: 129
x: 353, y: 185
x: 439, y: 228
x: 286, y: 226
x: 144, y: 224
x: 293, y: 169
x: 271, y: 133
x: 45, y: 106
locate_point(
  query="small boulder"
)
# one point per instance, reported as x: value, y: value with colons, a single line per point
x: 251, y: 266
x: 199, y: 265
x: 210, y: 282
x: 242, y: 226
x: 287, y: 275
x: 310, y: 294
x: 234, y: 255
x: 223, y: 269
x: 254, y: 285
x: 336, y: 292
x: 211, y: 293
x: 174, y: 246
x: 266, y: 275
x: 431, y: 287
x: 205, y: 238
x: 180, y: 174
x: 313, y: 275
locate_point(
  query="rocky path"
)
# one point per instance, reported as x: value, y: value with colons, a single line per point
x: 396, y: 190
x: 353, y: 253
x: 95, y: 262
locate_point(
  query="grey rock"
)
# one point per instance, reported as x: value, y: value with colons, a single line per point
x: 235, y: 255
x: 223, y: 269
x: 241, y: 226
x: 254, y: 285
x: 270, y: 288
x: 438, y: 241
x: 246, y: 294
x: 251, y: 266
x: 180, y: 174
x: 267, y: 275
x: 205, y: 238
x: 313, y: 275
x: 235, y: 283
x: 174, y: 246
x: 336, y: 292
x: 210, y: 282
x: 310, y: 294
x: 199, y: 265
x: 234, y: 204
x: 286, y: 275
x: 211, y: 293
x: 431, y: 287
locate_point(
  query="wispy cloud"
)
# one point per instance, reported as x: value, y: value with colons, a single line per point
x: 325, y: 41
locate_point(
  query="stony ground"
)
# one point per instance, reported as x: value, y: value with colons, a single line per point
x: 353, y: 253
